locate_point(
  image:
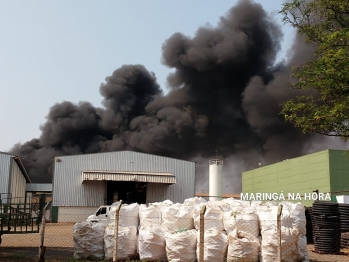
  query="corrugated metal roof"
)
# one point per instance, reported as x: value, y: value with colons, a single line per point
x: 151, y: 177
x: 5, y: 153
x: 124, y: 151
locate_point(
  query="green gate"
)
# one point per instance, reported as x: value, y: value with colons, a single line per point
x: 17, y: 215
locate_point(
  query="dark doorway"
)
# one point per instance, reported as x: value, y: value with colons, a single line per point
x: 128, y: 192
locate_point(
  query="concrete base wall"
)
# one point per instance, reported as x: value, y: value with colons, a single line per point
x: 74, y: 214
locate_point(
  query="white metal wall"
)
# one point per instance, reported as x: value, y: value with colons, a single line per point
x: 5, y: 163
x: 39, y: 187
x: 18, y: 183
x: 68, y: 189
x: 75, y: 214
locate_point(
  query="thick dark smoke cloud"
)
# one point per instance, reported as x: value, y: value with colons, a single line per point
x: 261, y: 102
x: 225, y: 95
x: 126, y: 94
x: 203, y: 110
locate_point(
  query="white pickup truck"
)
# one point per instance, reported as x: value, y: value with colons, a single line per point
x: 102, y: 213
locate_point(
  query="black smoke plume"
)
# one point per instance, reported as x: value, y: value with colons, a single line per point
x: 225, y: 95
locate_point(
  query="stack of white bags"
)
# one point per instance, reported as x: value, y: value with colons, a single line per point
x: 127, y: 232
x: 234, y: 230
x: 215, y: 238
x: 293, y: 229
x: 88, y: 240
x: 151, y: 240
x: 241, y: 224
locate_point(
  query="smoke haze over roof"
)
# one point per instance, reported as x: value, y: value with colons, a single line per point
x: 225, y: 94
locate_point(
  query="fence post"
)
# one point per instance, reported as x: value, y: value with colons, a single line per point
x: 202, y: 234
x: 42, y: 248
x: 278, y: 225
x: 116, y: 232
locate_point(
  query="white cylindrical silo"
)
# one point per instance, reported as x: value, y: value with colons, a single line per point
x: 216, y: 179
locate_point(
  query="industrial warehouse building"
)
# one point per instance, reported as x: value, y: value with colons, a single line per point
x: 13, y: 179
x: 325, y: 171
x: 82, y: 183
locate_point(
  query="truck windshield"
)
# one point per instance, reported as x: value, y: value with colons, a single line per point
x: 101, y: 211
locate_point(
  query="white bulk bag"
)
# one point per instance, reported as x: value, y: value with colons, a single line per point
x: 268, y: 252
x: 246, y: 220
x: 177, y: 217
x: 242, y: 247
x: 215, y: 245
x: 128, y: 214
x: 255, y: 204
x: 88, y: 240
x: 194, y: 201
x: 267, y: 216
x: 164, y: 203
x: 149, y: 216
x: 289, y: 240
x: 296, y: 211
x: 127, y: 242
x: 181, y: 246
x: 303, y: 254
x: 299, y: 221
x: 151, y: 244
x: 213, y: 217
x: 228, y: 204
x: 291, y: 220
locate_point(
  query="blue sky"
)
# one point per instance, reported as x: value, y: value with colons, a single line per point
x: 54, y: 51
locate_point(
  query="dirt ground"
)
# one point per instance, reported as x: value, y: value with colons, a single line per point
x: 316, y: 257
x: 56, y: 235
x: 59, y: 246
x: 25, y: 247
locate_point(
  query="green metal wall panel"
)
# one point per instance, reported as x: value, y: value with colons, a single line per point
x: 54, y: 214
x: 298, y: 175
x: 339, y: 169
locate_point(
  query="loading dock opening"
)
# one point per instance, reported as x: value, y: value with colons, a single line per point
x: 128, y: 186
x: 127, y: 191
x: 80, y: 181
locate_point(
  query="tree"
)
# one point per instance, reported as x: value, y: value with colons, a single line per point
x: 324, y: 106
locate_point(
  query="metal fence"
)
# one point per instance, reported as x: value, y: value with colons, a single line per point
x: 205, y: 235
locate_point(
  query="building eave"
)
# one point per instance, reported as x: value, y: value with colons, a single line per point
x: 21, y: 167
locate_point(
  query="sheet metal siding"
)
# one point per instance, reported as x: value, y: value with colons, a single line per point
x: 68, y: 189
x: 127, y: 177
x: 184, y: 188
x: 38, y: 187
x: 18, y: 184
x: 5, y: 162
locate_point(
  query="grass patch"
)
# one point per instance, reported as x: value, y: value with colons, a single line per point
x: 15, y: 256
x: 80, y: 260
